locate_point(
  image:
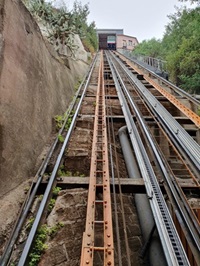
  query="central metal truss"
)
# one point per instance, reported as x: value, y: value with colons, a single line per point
x: 98, y: 236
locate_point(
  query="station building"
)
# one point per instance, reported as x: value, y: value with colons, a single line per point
x: 114, y: 39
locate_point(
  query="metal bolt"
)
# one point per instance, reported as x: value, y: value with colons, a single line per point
x: 87, y: 262
x: 109, y: 262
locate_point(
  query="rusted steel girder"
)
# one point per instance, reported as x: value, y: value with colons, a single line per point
x: 184, y: 109
x: 99, y: 224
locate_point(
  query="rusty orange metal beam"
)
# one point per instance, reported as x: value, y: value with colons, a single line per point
x: 99, y: 168
x: 184, y: 109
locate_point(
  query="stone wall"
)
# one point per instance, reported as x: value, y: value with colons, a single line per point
x: 70, y: 209
x: 34, y: 87
x: 65, y: 247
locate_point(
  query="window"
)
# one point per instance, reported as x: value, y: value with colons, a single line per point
x: 130, y: 43
x: 124, y: 44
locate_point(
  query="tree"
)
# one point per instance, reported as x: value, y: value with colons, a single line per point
x: 63, y: 24
x: 181, y: 47
x: 80, y: 14
x: 148, y: 47
x: 85, y: 31
x: 191, y: 1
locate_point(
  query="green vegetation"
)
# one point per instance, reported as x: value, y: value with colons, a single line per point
x: 54, y: 229
x: 40, y: 197
x: 86, y: 31
x: 51, y: 204
x: 63, y: 24
x: 39, y: 245
x: 191, y: 1
x: 68, y: 123
x: 59, y: 123
x: 56, y: 191
x: 43, y: 232
x: 30, y: 223
x: 61, y: 138
x: 151, y: 48
x: 62, y: 172
x: 26, y: 189
x: 180, y: 47
x: 78, y: 83
x: 52, y: 201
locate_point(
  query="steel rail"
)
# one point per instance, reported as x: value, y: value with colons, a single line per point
x: 190, y: 146
x: 111, y: 135
x: 35, y: 185
x: 115, y: 206
x: 166, y: 82
x: 44, y: 201
x: 187, y: 216
x: 183, y: 108
x: 172, y: 246
x: 111, y: 127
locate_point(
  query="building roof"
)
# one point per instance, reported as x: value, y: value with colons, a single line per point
x: 127, y: 36
x: 110, y: 31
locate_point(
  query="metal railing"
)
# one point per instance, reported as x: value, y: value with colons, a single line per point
x: 155, y: 64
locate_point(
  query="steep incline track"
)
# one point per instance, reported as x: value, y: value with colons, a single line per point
x: 163, y: 131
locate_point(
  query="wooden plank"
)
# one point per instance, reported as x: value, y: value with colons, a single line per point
x: 128, y: 185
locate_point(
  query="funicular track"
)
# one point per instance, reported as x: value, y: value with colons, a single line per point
x: 167, y: 156
x: 99, y: 177
x: 164, y: 169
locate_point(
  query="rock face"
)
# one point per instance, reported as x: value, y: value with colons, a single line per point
x: 65, y: 247
x: 34, y: 87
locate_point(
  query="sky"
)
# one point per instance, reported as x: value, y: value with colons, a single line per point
x: 143, y: 19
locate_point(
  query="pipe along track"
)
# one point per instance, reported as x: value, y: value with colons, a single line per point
x: 192, y: 224
x: 103, y: 166
x: 174, y: 252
